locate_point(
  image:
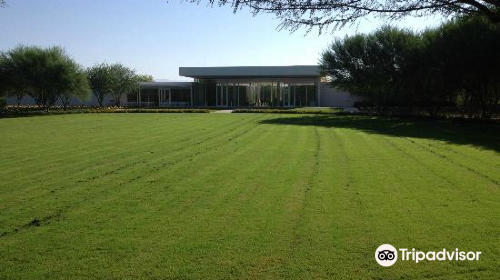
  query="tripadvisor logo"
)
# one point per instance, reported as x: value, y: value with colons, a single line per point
x: 387, y: 255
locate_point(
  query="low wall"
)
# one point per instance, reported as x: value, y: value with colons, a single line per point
x: 333, y: 97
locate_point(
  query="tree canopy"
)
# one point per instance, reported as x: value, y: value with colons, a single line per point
x: 452, y: 66
x: 114, y: 80
x: 124, y: 81
x: 144, y: 78
x: 374, y: 65
x: 12, y: 79
x: 45, y: 74
x: 100, y: 80
x: 325, y: 13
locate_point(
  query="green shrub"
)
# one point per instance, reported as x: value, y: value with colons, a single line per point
x: 289, y: 111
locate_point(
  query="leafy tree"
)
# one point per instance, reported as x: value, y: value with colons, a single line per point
x: 373, y: 66
x: 79, y: 88
x: 123, y: 81
x: 144, y: 78
x: 12, y: 82
x: 324, y: 13
x: 468, y: 50
x: 433, y: 85
x: 454, y: 66
x: 114, y: 80
x: 44, y: 74
x: 100, y: 80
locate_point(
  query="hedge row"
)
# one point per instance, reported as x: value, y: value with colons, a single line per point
x: 12, y: 111
x: 289, y: 111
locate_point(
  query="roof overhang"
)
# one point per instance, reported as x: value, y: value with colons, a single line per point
x: 296, y: 71
x: 155, y: 85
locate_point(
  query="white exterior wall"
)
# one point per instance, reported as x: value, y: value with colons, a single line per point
x: 333, y: 97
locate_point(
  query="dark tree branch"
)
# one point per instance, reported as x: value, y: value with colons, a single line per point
x: 323, y: 13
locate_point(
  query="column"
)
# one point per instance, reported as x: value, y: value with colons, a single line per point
x: 227, y: 95
x: 307, y: 99
x: 294, y: 94
x: 318, y: 92
x: 191, y: 94
x: 205, y: 94
x: 272, y: 96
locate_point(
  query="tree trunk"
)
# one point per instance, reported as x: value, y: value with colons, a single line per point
x: 99, y: 97
x: 19, y: 98
x: 117, y: 99
x: 65, y: 103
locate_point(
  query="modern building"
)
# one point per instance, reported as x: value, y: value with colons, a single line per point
x: 239, y: 86
x: 244, y: 86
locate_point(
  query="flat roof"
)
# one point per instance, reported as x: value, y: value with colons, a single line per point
x: 294, y: 71
x: 154, y: 85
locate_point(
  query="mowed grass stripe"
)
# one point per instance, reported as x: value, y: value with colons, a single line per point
x: 136, y: 136
x: 92, y: 165
x: 46, y: 190
x: 336, y: 214
x: 480, y: 167
x: 209, y: 200
x: 431, y: 215
x: 281, y: 209
x: 84, y: 132
x: 312, y: 219
x: 393, y: 183
x: 458, y: 177
x: 225, y: 236
x: 155, y: 169
x: 92, y: 152
x: 116, y: 178
x: 473, y: 153
x: 133, y: 147
x: 445, y: 189
x: 270, y: 196
x: 189, y: 216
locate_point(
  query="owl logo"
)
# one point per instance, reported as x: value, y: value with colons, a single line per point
x: 386, y: 255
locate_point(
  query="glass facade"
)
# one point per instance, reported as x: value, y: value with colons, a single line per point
x: 227, y: 93
x: 160, y: 97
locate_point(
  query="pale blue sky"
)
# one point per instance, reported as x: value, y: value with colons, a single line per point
x: 156, y: 37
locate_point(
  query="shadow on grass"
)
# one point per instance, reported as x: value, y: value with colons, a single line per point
x: 480, y: 134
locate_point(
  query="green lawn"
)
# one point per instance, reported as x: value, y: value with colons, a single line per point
x: 244, y: 196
